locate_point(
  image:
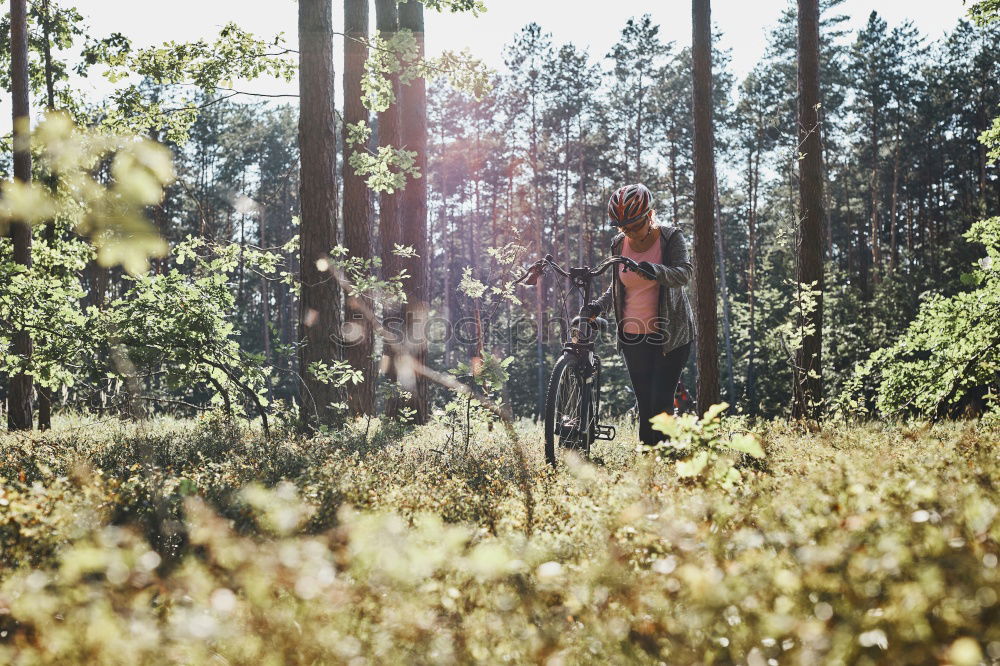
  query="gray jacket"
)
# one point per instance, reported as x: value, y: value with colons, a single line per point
x: 674, y: 324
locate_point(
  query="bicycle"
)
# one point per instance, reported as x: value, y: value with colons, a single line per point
x: 573, y: 396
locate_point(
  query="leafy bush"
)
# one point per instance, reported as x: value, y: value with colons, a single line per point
x: 37, y: 520
x: 949, y: 357
x: 701, y: 447
x: 861, y: 544
x: 176, y: 326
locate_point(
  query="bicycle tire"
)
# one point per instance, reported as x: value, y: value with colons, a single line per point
x: 595, y: 401
x: 562, y: 383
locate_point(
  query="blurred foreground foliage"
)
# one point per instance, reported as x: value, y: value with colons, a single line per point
x: 97, y: 183
x: 189, y: 542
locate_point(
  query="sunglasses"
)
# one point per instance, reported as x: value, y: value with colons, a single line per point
x: 635, y: 226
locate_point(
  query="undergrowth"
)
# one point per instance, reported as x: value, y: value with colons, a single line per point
x: 191, y: 542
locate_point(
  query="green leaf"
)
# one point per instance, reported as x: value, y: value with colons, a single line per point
x: 694, y: 466
x: 714, y: 411
x: 747, y: 444
x: 665, y: 423
x: 731, y: 478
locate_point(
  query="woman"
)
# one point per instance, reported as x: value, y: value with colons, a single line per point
x: 652, y: 312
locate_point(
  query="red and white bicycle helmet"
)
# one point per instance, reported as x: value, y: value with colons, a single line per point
x: 629, y: 204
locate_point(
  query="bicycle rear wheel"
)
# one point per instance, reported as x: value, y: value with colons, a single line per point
x: 570, y: 409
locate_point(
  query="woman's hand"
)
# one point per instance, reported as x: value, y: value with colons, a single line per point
x: 646, y: 270
x: 591, y: 310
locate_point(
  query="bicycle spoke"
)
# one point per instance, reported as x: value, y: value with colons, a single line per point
x: 569, y: 424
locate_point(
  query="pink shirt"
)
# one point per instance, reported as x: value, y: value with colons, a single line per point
x: 641, y: 295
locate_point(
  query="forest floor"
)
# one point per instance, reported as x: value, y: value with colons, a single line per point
x: 198, y: 541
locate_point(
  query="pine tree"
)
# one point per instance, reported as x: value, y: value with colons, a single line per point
x: 757, y: 126
x: 871, y: 63
x: 572, y: 80
x: 359, y: 334
x: 672, y: 100
x: 390, y: 232
x: 413, y: 218
x: 19, y: 412
x: 808, y: 393
x: 526, y: 59
x: 636, y: 60
x: 704, y: 207
x: 319, y: 317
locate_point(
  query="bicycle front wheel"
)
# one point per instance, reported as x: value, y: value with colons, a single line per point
x: 570, y: 409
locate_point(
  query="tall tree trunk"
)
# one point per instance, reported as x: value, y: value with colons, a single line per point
x: 50, y: 89
x: 538, y: 222
x: 704, y: 187
x: 674, y: 203
x: 413, y: 219
x: 43, y: 392
x: 389, y: 217
x: 720, y: 253
x: 808, y: 390
x: 445, y: 233
x: 539, y: 349
x: 319, y: 317
x: 19, y: 416
x: 580, y: 189
x: 638, y: 136
x: 265, y: 300
x: 894, y: 211
x: 873, y: 182
x: 449, y: 292
x: 909, y: 234
x: 859, y: 251
x: 754, y: 174
x: 567, y: 236
x: 359, y: 336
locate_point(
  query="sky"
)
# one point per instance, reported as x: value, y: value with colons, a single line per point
x: 593, y: 25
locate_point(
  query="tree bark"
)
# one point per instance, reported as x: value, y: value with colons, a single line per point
x: 389, y: 219
x: 808, y: 390
x: 894, y: 212
x: 265, y: 302
x: 753, y: 169
x: 537, y: 220
x: 720, y: 253
x: 704, y: 188
x: 19, y: 415
x: 359, y: 333
x: 50, y: 89
x: 413, y: 219
x: 44, y: 395
x: 873, y: 186
x: 581, y: 199
x: 638, y: 135
x: 674, y: 204
x: 318, y: 301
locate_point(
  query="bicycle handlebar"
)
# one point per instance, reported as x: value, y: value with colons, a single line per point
x: 531, y: 275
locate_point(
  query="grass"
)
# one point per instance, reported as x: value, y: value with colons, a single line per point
x: 197, y: 542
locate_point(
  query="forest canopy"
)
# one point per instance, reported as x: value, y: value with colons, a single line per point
x: 906, y: 129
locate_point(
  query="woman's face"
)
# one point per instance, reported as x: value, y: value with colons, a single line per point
x: 638, y: 230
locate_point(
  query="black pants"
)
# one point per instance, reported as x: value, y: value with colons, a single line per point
x: 654, y: 378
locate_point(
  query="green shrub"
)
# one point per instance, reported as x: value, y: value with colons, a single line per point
x: 948, y: 360
x: 860, y: 544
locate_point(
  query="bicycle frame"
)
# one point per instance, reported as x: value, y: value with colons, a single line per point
x: 578, y: 351
x: 581, y: 334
